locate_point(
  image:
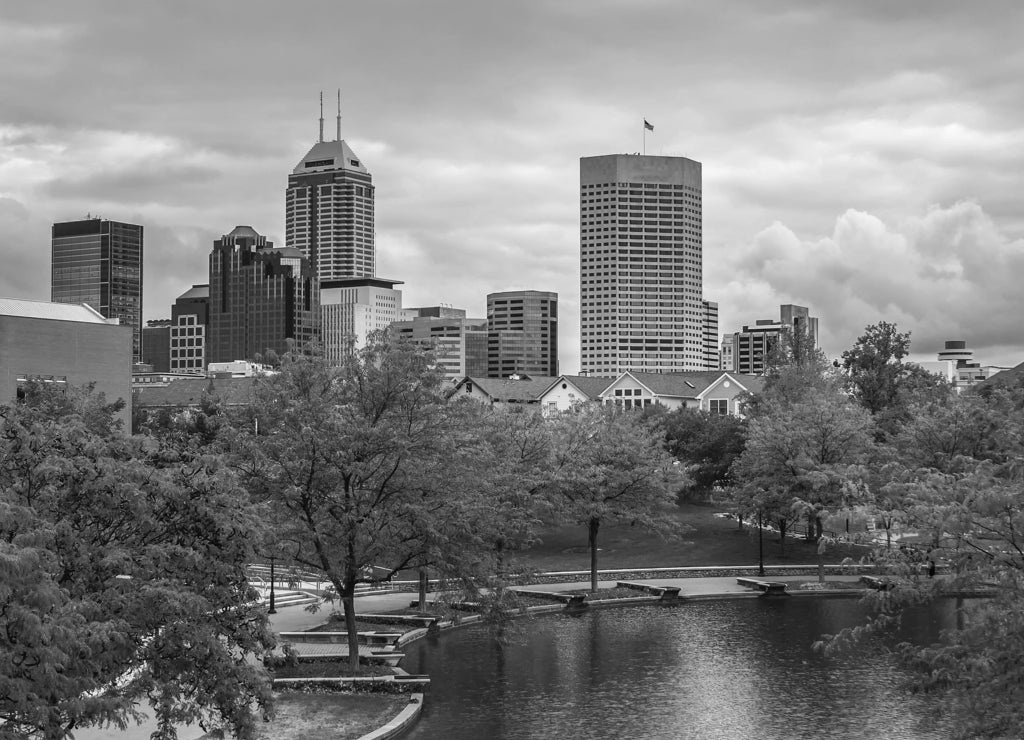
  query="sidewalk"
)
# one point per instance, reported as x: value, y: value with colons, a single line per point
x: 297, y: 619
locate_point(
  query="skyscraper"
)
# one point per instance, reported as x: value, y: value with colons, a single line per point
x: 260, y: 298
x: 329, y: 210
x: 641, y: 276
x: 99, y: 262
x: 522, y: 333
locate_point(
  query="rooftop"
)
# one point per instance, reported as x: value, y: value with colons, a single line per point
x: 330, y: 155
x: 80, y: 312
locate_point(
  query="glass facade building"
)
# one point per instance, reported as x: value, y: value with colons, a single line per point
x: 522, y: 333
x: 261, y: 299
x: 99, y: 262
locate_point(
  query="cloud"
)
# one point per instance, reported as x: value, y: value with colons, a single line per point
x: 948, y: 273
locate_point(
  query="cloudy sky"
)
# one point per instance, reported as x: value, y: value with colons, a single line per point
x: 865, y: 159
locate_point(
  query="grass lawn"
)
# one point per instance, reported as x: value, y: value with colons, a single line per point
x: 702, y: 539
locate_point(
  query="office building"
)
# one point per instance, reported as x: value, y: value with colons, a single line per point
x: 522, y: 334
x: 956, y: 364
x: 262, y: 299
x: 747, y: 350
x: 156, y: 345
x: 353, y: 308
x: 329, y: 210
x: 99, y: 262
x: 710, y: 323
x: 190, y: 315
x: 64, y: 345
x: 641, y: 276
x: 459, y: 344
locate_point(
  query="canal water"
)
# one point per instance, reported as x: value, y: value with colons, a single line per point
x: 705, y: 670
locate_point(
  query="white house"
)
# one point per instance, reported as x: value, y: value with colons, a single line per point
x: 713, y: 391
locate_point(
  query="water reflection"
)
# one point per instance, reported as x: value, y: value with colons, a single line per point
x: 716, y: 669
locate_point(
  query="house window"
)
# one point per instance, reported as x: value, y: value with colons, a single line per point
x: 719, y: 406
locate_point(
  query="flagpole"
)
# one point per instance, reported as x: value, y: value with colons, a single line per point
x: 644, y: 149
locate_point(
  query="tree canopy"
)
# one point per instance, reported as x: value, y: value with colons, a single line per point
x: 610, y: 466
x: 123, y: 564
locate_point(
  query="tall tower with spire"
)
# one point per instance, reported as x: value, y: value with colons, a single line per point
x: 329, y: 209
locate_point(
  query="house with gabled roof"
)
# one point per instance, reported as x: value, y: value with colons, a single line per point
x: 521, y: 390
x: 568, y: 391
x: 714, y: 391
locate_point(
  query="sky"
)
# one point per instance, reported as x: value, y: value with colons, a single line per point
x: 865, y: 159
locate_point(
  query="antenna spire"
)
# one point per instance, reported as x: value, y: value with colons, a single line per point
x: 321, y: 116
x: 339, y: 114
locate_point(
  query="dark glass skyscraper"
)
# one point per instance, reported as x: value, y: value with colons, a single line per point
x: 99, y: 262
x: 260, y: 298
x: 522, y: 333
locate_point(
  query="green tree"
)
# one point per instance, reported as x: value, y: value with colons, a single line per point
x: 960, y: 480
x: 363, y: 470
x: 804, y: 456
x: 123, y: 566
x: 609, y: 466
x: 707, y: 445
x: 883, y: 383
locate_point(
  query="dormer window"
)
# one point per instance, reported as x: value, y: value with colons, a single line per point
x: 354, y: 162
x: 320, y: 163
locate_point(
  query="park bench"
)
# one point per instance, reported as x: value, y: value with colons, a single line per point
x: 665, y: 592
x: 570, y: 600
x: 767, y: 588
x: 879, y: 584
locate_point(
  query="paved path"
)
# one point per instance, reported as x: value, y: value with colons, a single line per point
x: 297, y: 619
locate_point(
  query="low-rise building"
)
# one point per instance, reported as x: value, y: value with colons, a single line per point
x: 713, y: 391
x: 570, y: 391
x: 66, y: 344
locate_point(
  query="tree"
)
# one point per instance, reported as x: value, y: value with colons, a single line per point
x: 804, y: 456
x: 363, y: 470
x: 961, y: 482
x: 609, y: 466
x: 707, y: 444
x: 123, y: 566
x: 883, y: 383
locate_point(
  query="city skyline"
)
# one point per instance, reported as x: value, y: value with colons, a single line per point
x: 860, y: 160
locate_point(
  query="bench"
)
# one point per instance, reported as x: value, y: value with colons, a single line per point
x: 879, y: 584
x: 364, y: 638
x: 413, y: 619
x: 462, y: 606
x: 665, y: 592
x: 767, y: 588
x: 570, y: 600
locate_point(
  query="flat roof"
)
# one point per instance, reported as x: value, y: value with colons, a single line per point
x: 82, y: 313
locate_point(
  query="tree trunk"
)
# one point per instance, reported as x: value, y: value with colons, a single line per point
x: 423, y: 591
x: 593, y: 526
x: 348, y: 600
x: 782, y: 537
x: 821, y: 561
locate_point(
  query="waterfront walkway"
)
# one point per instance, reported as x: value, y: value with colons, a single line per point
x: 297, y: 619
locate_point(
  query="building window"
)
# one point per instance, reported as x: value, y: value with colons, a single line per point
x: 719, y: 406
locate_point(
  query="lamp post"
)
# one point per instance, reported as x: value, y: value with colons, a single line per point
x: 271, y: 610
x: 760, y: 543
